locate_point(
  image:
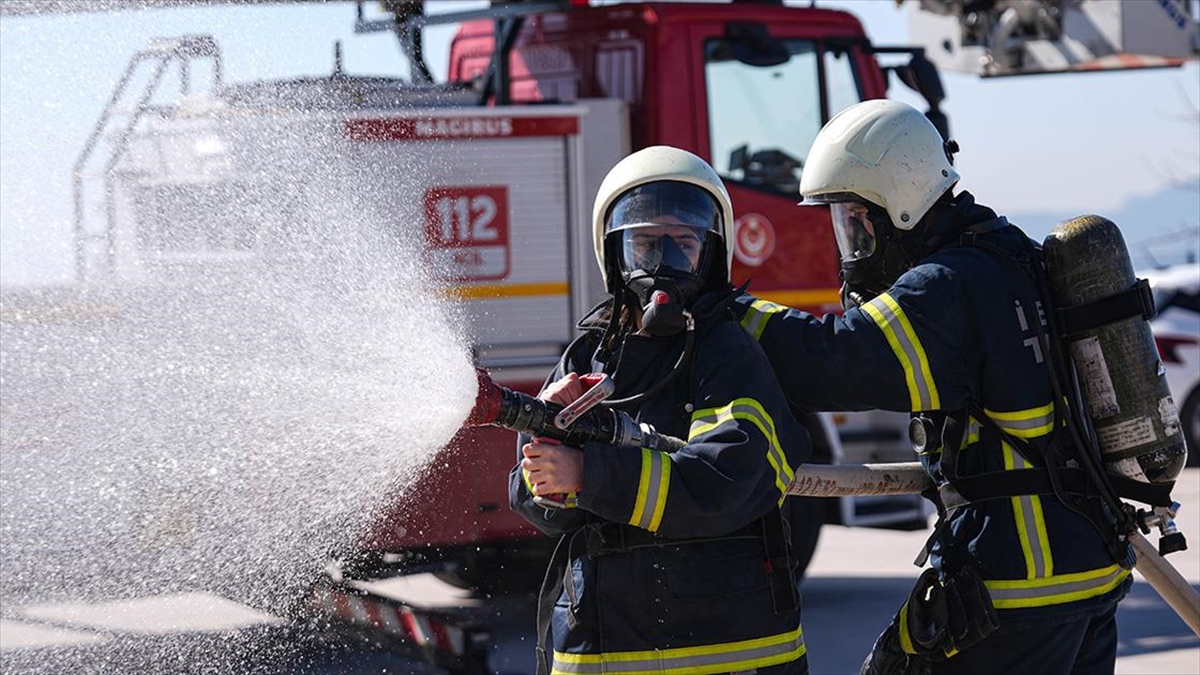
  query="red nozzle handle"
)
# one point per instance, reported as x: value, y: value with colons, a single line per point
x: 600, y: 386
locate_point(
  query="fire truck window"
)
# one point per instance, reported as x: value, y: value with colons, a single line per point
x: 841, y: 83
x: 762, y: 118
x: 619, y: 70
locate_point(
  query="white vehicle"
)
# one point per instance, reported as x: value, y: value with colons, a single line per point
x: 1177, y: 333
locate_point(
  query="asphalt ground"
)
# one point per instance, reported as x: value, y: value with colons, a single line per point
x: 856, y: 581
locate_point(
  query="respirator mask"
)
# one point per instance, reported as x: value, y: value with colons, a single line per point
x: 661, y: 237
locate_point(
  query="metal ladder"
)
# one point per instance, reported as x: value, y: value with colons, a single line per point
x: 118, y: 123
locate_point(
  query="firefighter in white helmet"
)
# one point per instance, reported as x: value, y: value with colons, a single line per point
x: 943, y: 321
x: 673, y: 562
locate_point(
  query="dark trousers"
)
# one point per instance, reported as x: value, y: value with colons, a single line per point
x: 1081, y: 646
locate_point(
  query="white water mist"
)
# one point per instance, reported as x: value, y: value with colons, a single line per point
x: 223, y: 425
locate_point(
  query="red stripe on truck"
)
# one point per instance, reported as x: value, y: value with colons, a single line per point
x: 432, y: 128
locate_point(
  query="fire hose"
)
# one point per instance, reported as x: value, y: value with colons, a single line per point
x: 855, y: 480
x: 583, y: 421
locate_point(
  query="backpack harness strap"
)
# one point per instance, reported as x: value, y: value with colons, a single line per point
x: 1076, y: 487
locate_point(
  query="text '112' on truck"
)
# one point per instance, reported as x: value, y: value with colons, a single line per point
x: 541, y: 99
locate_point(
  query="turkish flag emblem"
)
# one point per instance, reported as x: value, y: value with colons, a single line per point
x: 754, y: 239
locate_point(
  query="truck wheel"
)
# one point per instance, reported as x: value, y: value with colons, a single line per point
x: 807, y: 514
x: 1190, y: 419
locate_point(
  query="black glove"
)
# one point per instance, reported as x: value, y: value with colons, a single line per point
x: 888, y: 658
x: 942, y: 618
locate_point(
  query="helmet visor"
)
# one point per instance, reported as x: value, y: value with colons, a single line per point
x: 665, y: 223
x: 853, y: 229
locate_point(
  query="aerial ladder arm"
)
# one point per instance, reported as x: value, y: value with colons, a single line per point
x: 1023, y: 37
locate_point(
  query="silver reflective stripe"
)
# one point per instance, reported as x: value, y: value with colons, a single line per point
x: 972, y: 435
x: 904, y: 342
x: 1040, y: 568
x: 1014, y: 594
x: 652, y: 490
x: 723, y: 658
x: 757, y: 316
x: 1029, y: 423
x: 1031, y: 524
x: 704, y: 421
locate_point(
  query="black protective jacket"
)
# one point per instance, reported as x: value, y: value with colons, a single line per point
x: 668, y: 566
x: 957, y: 335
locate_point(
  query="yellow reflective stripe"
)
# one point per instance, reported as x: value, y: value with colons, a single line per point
x: 756, y: 318
x: 702, y: 660
x: 749, y: 409
x: 972, y: 438
x: 1010, y: 460
x: 905, y: 639
x: 803, y: 298
x: 1030, y: 523
x: 1029, y: 423
x: 652, y: 490
x: 890, y: 318
x: 1054, y: 590
x: 493, y: 291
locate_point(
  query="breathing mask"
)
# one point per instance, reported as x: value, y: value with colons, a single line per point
x: 661, y: 237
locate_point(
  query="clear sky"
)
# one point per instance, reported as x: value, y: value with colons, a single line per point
x: 1085, y: 143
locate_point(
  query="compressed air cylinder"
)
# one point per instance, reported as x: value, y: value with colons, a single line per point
x: 1119, y: 370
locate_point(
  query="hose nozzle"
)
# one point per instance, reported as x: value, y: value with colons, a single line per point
x: 487, y: 400
x: 500, y: 406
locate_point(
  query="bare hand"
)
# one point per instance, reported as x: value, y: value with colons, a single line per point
x: 564, y: 391
x: 553, y: 469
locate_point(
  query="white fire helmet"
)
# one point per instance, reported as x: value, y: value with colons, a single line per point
x: 883, y: 152
x: 621, y: 205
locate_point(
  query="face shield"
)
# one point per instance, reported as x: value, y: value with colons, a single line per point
x: 663, y: 225
x: 854, y: 229
x: 872, y: 256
